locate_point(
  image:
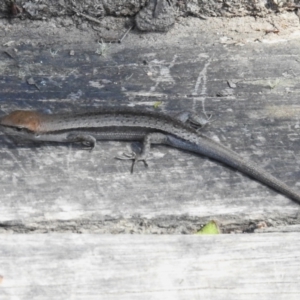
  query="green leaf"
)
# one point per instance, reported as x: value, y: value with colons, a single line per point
x: 210, y: 228
x: 157, y: 104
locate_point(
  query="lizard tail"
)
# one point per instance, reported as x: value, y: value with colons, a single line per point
x: 218, y: 152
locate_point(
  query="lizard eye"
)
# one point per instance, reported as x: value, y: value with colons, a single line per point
x: 19, y: 129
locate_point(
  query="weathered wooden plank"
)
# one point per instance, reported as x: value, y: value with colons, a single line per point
x: 150, y: 267
x: 48, y: 185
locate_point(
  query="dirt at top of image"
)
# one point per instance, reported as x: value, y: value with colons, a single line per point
x: 87, y: 23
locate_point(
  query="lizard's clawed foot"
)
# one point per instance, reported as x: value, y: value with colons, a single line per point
x: 134, y: 157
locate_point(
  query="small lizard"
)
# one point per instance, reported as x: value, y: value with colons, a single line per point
x: 151, y: 127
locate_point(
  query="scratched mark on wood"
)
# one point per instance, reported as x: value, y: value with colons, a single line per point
x: 49, y: 183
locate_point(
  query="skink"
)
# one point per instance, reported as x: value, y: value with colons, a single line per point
x: 151, y: 127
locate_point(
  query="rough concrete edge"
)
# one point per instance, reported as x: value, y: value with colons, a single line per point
x: 46, y: 9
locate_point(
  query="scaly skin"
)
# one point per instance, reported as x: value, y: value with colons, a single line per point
x: 132, y: 124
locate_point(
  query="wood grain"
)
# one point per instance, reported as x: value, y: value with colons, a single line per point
x: 50, y: 187
x: 149, y: 267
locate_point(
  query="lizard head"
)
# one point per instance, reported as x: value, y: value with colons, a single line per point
x: 22, y: 119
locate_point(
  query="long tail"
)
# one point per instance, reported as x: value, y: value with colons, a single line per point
x: 218, y: 152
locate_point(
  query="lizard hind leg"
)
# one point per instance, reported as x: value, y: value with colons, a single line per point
x: 151, y: 138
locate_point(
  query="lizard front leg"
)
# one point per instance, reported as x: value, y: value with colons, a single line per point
x: 86, y: 139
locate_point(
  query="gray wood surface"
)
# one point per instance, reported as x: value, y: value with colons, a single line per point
x: 63, y: 187
x: 243, y: 71
x: 149, y: 267
x: 247, y: 79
